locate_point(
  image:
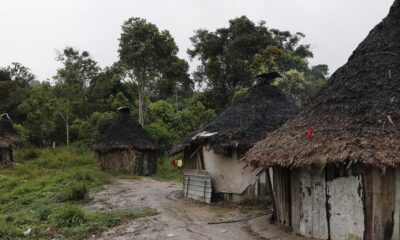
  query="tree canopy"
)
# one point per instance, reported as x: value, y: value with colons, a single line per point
x: 230, y: 56
x: 79, y: 102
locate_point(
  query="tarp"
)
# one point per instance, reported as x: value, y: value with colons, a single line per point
x: 228, y: 174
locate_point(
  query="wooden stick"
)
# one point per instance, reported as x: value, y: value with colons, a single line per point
x: 227, y: 221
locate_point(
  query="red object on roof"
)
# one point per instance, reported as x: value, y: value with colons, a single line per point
x: 310, y: 133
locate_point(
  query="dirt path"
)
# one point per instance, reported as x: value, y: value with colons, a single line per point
x: 178, y: 218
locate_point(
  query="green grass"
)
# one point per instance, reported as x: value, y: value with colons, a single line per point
x: 167, y: 172
x: 43, y: 192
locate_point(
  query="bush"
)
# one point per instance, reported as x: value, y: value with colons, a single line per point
x: 31, y: 154
x: 77, y: 191
x: 69, y: 216
x: 167, y: 172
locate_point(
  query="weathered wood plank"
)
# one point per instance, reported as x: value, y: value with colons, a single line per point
x: 197, y: 186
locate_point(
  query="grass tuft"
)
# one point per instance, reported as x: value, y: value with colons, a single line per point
x: 69, y: 216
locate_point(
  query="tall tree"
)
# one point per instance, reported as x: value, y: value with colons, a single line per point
x: 145, y: 52
x: 39, y: 110
x: 72, y: 81
x: 20, y: 74
x: 15, y: 84
x: 230, y: 56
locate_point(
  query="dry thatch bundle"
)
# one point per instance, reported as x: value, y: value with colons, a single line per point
x: 124, y: 161
x: 355, y: 117
x: 262, y: 109
x: 126, y: 147
x: 125, y: 134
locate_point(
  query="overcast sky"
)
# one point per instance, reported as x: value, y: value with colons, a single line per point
x: 32, y: 30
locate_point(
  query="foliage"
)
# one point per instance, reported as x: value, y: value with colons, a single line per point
x: 295, y: 85
x: 168, y: 124
x: 167, y: 172
x: 15, y: 84
x: 230, y: 56
x: 39, y: 108
x: 80, y: 102
x: 147, y: 56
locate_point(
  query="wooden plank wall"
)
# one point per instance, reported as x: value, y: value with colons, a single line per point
x: 396, y: 217
x: 313, y: 218
x: 281, y: 185
x: 194, y: 160
x: 197, y: 185
x: 296, y: 203
x: 384, y: 201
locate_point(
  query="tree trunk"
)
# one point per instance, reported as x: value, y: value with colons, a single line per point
x: 141, y: 110
x: 67, y: 123
x: 67, y: 131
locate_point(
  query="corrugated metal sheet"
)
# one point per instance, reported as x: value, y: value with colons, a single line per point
x: 197, y: 185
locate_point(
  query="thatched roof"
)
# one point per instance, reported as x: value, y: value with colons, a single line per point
x: 8, y: 135
x: 355, y: 117
x: 262, y: 109
x: 125, y: 134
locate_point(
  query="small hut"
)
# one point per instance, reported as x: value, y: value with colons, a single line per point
x: 8, y: 140
x: 217, y: 147
x: 126, y: 147
x: 335, y: 166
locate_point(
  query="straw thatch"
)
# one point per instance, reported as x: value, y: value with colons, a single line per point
x: 125, y: 134
x: 262, y: 109
x: 126, y: 147
x: 8, y: 135
x: 355, y: 117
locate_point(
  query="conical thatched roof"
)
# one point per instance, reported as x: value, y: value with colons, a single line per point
x: 8, y: 135
x: 125, y: 134
x: 262, y: 109
x: 355, y: 117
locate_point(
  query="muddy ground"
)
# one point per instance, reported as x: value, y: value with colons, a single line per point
x: 178, y: 218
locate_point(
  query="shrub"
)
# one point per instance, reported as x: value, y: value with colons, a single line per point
x: 31, y: 154
x: 68, y: 216
x: 77, y: 191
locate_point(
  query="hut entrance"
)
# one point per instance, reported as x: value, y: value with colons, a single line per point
x: 146, y: 165
x: 5, y: 156
x: 195, y: 161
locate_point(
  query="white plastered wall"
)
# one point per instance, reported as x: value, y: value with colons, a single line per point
x: 229, y: 175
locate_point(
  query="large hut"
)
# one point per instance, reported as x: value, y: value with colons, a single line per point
x: 217, y: 147
x: 335, y: 166
x: 126, y: 147
x: 8, y: 140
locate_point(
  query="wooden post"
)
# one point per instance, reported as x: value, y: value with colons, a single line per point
x: 272, y: 195
x: 204, y: 192
x: 187, y: 186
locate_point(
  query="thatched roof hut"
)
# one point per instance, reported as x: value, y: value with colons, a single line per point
x: 8, y: 140
x: 261, y: 109
x: 125, y: 145
x: 355, y: 117
x: 335, y: 166
x: 217, y: 146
